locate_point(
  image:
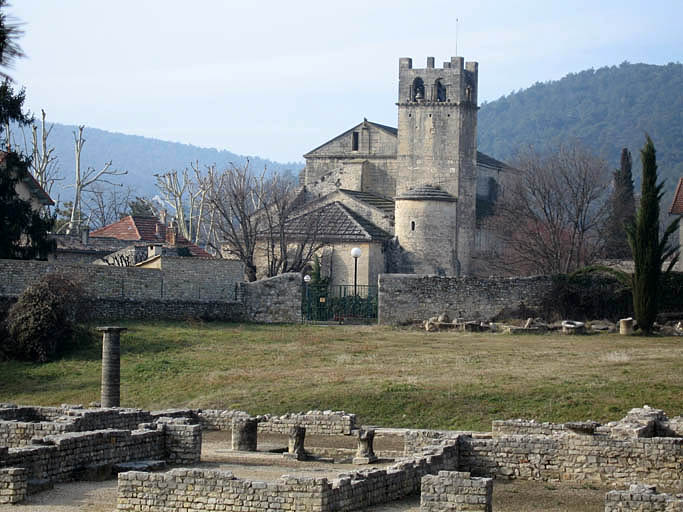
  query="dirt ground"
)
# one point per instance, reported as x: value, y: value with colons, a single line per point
x: 515, y: 496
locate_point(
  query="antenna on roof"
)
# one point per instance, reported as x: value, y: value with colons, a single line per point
x: 456, y: 37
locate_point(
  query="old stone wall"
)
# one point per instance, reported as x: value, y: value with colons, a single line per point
x: 185, y: 279
x: 577, y: 458
x: 195, y: 490
x: 61, y: 458
x: 19, y: 425
x: 13, y: 485
x: 526, y: 427
x: 202, y: 288
x: 642, y: 498
x: 406, y: 298
x: 215, y: 490
x: 315, y: 422
x: 457, y: 492
x: 273, y: 300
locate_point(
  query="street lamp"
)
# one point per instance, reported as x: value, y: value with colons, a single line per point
x: 355, y: 252
x: 307, y: 279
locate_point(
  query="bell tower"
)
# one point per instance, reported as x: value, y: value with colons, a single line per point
x: 437, y: 139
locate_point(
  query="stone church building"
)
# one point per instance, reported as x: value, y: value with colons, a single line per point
x: 413, y: 197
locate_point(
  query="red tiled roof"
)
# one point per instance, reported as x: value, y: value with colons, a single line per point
x: 677, y: 204
x: 146, y: 229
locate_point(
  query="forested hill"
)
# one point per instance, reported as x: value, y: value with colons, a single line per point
x: 142, y: 157
x: 606, y: 109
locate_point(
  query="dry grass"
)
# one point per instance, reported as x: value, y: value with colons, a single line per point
x: 387, y: 376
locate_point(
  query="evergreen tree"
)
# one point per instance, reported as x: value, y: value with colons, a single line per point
x: 649, y: 252
x: 23, y: 231
x: 622, y: 209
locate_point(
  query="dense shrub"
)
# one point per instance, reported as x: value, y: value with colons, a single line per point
x: 42, y: 322
x: 594, y: 295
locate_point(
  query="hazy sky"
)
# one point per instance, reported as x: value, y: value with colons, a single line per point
x: 277, y: 78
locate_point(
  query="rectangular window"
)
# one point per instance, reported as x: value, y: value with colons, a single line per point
x: 355, y: 141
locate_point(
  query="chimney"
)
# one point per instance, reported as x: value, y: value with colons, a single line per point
x: 85, y: 235
x: 162, y: 216
x: 172, y: 234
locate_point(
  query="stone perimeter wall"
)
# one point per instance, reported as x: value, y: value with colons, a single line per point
x: 187, y: 489
x: 213, y: 291
x: 407, y: 298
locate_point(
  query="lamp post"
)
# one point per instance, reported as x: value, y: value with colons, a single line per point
x: 307, y: 280
x: 355, y: 252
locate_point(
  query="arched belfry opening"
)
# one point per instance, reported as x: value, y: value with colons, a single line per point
x: 439, y: 90
x: 417, y: 90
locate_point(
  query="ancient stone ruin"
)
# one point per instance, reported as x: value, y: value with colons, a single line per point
x: 450, y: 470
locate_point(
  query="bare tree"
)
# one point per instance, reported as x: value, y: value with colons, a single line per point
x: 186, y: 194
x: 290, y: 241
x: 235, y: 195
x: 551, y: 220
x: 85, y: 179
x: 104, y: 205
x: 43, y: 162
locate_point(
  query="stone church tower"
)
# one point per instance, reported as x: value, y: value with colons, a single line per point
x: 437, y: 146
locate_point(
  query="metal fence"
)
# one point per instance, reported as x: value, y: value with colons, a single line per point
x: 339, y: 303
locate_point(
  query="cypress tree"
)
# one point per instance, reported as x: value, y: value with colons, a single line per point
x: 622, y: 209
x: 649, y: 252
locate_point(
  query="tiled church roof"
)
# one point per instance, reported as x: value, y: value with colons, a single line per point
x: 335, y: 222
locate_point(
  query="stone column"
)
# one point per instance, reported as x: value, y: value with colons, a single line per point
x: 244, y: 434
x: 365, y: 453
x: 111, y: 366
x: 295, y: 449
x: 626, y: 326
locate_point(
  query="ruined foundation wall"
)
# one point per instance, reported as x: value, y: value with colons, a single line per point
x: 19, y: 425
x: 452, y: 491
x: 577, y: 458
x: 406, y: 298
x: 192, y: 490
x: 315, y: 422
x: 60, y: 458
x: 642, y: 498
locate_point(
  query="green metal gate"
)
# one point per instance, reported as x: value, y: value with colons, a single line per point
x: 339, y: 303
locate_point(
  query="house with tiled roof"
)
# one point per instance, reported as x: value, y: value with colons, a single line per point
x: 677, y: 209
x: 146, y: 237
x: 411, y: 197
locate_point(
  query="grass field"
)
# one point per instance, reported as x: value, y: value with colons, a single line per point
x: 388, y: 377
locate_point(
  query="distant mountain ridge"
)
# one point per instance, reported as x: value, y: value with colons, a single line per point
x: 141, y: 156
x: 605, y: 109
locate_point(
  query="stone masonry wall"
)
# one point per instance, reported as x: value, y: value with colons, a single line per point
x: 13, y: 485
x: 315, y: 422
x: 457, y: 492
x: 577, y: 458
x: 272, y: 300
x: 642, y: 498
x: 406, y: 298
x: 60, y: 458
x: 185, y: 288
x: 195, y: 490
x: 19, y: 425
x: 109, y: 282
